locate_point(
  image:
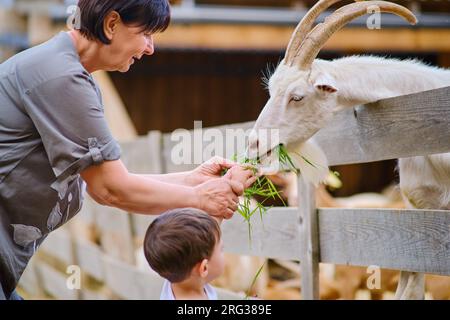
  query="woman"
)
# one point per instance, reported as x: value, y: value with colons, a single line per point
x: 54, y: 138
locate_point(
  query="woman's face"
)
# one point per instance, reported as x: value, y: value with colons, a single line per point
x: 128, y: 44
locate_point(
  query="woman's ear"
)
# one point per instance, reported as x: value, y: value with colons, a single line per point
x: 203, y: 268
x: 110, y: 24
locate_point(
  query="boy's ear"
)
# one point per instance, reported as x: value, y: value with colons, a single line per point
x: 203, y: 268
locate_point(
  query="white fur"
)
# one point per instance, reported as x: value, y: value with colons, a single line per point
x: 311, y: 161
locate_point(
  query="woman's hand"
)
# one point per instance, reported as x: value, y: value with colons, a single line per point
x: 219, y: 197
x: 211, y: 169
x: 243, y: 174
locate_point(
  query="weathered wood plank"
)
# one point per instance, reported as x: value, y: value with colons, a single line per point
x: 276, y: 237
x: 140, y: 223
x: 87, y: 211
x: 202, y: 142
x: 29, y: 281
x: 59, y: 245
x: 371, y: 133
x: 115, y: 230
x: 89, y: 258
x: 55, y: 282
x: 309, y: 240
x: 82, y: 226
x: 128, y: 282
x: 410, y: 240
x: 143, y: 154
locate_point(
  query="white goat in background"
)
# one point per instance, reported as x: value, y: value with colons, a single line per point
x: 306, y: 92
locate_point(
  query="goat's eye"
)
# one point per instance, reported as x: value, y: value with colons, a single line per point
x: 296, y: 98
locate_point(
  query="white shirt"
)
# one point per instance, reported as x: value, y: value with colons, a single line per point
x: 167, y: 293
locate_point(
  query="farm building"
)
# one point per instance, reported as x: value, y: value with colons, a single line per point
x: 364, y: 232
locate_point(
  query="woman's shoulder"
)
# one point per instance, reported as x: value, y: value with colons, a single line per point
x: 54, y: 59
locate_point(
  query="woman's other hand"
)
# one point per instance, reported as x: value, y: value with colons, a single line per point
x: 243, y: 174
x: 211, y: 169
x: 219, y: 197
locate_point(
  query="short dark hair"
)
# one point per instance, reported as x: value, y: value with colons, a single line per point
x: 151, y: 15
x: 179, y: 239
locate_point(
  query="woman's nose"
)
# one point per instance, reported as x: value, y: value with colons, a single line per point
x: 150, y: 49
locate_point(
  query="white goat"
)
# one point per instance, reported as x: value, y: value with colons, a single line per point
x: 305, y: 93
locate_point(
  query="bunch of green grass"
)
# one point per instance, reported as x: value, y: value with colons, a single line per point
x: 286, y: 160
x: 263, y: 187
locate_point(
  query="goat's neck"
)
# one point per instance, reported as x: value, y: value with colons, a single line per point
x: 361, y: 80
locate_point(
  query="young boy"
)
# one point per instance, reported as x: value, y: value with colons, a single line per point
x: 184, y: 246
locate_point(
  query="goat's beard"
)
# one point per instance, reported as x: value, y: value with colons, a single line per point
x: 310, y: 160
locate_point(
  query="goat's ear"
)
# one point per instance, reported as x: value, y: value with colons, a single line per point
x: 325, y: 84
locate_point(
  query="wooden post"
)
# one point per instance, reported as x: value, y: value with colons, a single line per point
x: 119, y: 121
x: 309, y: 240
x: 40, y: 28
x: 11, y: 23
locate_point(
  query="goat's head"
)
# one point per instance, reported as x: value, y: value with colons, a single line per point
x: 303, y: 98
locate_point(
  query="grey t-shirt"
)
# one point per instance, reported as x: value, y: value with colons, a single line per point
x: 52, y: 127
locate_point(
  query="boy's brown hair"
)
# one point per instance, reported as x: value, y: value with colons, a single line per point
x: 179, y: 239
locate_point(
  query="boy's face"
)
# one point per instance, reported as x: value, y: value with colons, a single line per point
x: 216, y: 264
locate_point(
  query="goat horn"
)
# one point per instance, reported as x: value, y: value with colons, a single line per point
x: 316, y: 39
x: 304, y: 27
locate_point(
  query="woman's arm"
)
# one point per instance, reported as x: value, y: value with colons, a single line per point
x: 111, y: 184
x: 181, y: 178
x: 210, y: 169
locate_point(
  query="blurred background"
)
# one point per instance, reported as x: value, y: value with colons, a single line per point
x: 208, y: 66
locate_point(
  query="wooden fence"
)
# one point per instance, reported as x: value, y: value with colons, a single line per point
x: 408, y: 240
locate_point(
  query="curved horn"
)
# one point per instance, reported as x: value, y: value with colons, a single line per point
x: 316, y: 39
x: 304, y: 27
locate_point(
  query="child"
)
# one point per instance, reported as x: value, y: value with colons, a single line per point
x: 184, y: 246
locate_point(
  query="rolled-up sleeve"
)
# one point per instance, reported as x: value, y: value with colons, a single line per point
x: 68, y: 115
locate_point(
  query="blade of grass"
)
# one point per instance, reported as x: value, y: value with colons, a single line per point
x: 254, y: 281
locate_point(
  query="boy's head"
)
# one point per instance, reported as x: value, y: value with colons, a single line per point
x: 182, y: 241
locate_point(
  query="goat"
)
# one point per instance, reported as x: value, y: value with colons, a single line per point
x: 305, y: 94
